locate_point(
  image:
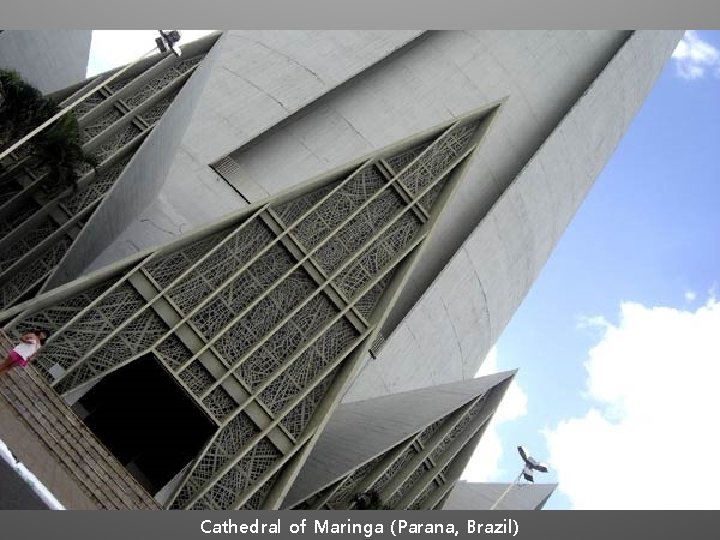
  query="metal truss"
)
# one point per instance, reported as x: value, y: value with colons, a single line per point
x: 39, y: 222
x: 265, y: 317
x: 421, y: 470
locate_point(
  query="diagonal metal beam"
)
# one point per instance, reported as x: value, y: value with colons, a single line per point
x: 92, y: 145
x: 83, y: 183
x: 130, y: 88
x: 224, y: 284
x: 259, y: 436
x: 438, y: 141
x: 157, y: 298
x: 328, y: 369
x: 403, y: 192
x: 321, y: 244
x: 389, y: 459
x: 312, y: 267
x: 169, y: 313
x: 476, y: 426
x: 448, y: 455
x: 29, y: 256
x: 454, y: 470
x: 51, y: 207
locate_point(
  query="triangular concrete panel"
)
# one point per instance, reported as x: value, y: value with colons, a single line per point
x: 277, y: 303
x: 483, y: 496
x: 359, y: 431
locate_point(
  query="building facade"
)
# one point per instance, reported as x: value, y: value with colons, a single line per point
x: 41, y: 220
x: 284, y: 221
x: 407, y: 448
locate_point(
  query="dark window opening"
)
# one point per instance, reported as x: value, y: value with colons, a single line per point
x: 147, y: 421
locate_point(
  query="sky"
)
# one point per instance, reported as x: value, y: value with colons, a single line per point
x: 617, y: 342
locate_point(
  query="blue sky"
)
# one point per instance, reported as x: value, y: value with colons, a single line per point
x: 619, y: 335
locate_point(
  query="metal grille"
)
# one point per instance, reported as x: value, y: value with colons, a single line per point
x: 249, y: 301
x: 36, y: 221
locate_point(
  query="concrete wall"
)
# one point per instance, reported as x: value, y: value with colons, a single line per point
x: 257, y: 96
x: 263, y: 77
x: 482, y: 496
x: 136, y: 188
x: 415, y: 83
x: 259, y: 80
x: 570, y: 97
x: 460, y: 316
x: 48, y: 59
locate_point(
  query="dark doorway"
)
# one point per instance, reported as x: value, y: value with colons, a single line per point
x: 147, y: 421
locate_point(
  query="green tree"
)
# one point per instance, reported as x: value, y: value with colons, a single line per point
x: 59, y: 147
x: 22, y: 107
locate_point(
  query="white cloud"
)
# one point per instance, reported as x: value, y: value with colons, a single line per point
x: 648, y: 440
x: 694, y: 57
x: 690, y: 296
x: 484, y: 465
x: 112, y: 48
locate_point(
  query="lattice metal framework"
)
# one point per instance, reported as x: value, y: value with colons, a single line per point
x: 261, y: 317
x: 39, y: 221
x: 418, y: 471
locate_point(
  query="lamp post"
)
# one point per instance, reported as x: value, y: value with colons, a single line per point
x: 530, y: 465
x: 167, y: 41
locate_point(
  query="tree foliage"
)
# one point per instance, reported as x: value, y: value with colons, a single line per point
x: 59, y: 147
x: 22, y: 107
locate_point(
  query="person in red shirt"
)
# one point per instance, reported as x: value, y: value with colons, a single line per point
x: 25, y: 351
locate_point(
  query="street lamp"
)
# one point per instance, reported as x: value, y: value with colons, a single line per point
x: 168, y: 41
x: 530, y: 465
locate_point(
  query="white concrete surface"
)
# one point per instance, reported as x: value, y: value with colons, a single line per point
x: 48, y: 59
x: 570, y: 97
x: 483, y: 496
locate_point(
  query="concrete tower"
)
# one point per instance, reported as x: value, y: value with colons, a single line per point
x: 282, y: 221
x: 263, y: 318
x: 280, y: 107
